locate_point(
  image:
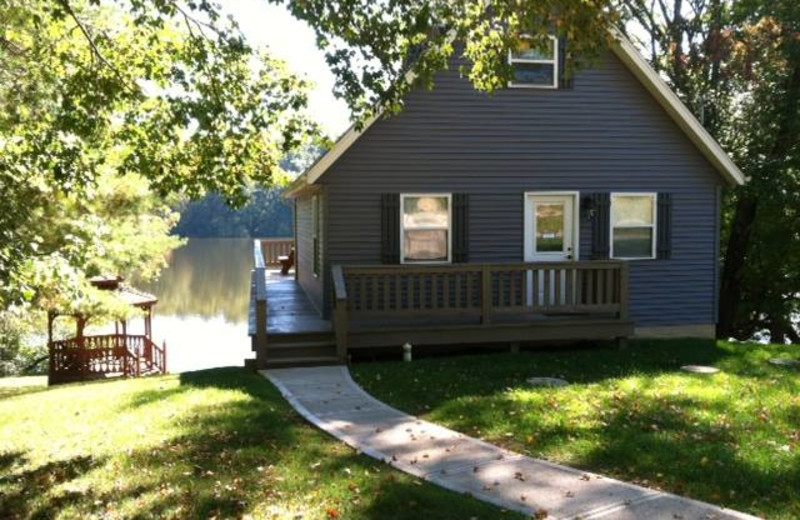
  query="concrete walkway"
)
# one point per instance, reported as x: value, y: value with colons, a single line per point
x: 330, y: 399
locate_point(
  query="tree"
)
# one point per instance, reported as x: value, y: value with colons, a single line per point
x: 737, y: 65
x: 109, y: 111
x: 92, y: 92
x: 370, y: 45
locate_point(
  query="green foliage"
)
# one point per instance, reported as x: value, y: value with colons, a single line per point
x: 110, y: 112
x: 102, y: 103
x: 730, y: 438
x: 218, y: 443
x: 20, y: 345
x: 369, y: 45
x: 265, y: 215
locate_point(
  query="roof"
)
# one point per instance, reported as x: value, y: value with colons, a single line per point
x: 124, y: 292
x: 134, y: 296
x: 630, y: 57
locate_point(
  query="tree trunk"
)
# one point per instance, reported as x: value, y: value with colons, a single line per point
x: 730, y: 293
x: 744, y: 217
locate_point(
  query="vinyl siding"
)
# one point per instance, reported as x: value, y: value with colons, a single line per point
x: 313, y: 285
x: 606, y: 134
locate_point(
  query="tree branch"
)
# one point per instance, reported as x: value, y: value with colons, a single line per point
x: 93, y: 46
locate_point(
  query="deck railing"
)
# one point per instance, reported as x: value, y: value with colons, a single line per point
x: 271, y: 249
x: 110, y: 354
x: 258, y: 291
x: 482, y: 291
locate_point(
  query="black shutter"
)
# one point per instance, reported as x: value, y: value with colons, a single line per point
x: 664, y: 227
x: 460, y: 228
x: 565, y: 73
x: 390, y: 228
x: 601, y: 226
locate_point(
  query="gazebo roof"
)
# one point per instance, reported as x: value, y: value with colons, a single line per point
x: 124, y: 292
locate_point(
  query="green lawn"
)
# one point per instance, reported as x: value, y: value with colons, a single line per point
x: 731, y: 438
x: 217, y: 443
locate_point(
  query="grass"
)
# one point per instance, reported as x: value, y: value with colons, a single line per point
x: 217, y: 443
x: 731, y: 438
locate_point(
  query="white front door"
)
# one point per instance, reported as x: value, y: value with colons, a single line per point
x: 549, y: 227
x: 550, y: 236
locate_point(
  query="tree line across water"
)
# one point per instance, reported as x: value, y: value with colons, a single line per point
x: 266, y: 215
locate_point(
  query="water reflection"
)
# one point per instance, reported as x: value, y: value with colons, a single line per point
x: 203, y: 302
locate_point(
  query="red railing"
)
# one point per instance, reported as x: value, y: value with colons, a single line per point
x: 106, y: 355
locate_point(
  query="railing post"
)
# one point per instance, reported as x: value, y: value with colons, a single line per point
x: 164, y: 358
x: 51, y: 369
x: 623, y: 291
x: 258, y: 255
x: 340, y: 327
x: 261, y: 316
x: 486, y: 294
x: 340, y: 318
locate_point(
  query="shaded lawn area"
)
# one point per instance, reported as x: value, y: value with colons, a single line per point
x: 216, y: 443
x: 731, y: 438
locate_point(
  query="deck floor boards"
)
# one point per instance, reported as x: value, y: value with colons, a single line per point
x: 289, y: 311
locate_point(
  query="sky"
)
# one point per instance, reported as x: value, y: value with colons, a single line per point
x: 293, y: 41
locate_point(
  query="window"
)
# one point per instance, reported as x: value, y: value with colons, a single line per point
x: 535, y: 66
x: 633, y: 225
x: 315, y: 225
x: 425, y: 228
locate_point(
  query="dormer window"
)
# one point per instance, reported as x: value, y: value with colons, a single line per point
x: 535, y: 65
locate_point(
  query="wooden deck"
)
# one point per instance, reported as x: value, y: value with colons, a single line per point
x: 289, y: 311
x: 390, y: 305
x: 294, y: 330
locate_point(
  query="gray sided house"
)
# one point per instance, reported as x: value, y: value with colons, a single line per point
x: 553, y: 209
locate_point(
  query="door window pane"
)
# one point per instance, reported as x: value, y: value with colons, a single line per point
x: 425, y: 245
x: 549, y: 227
x: 633, y: 242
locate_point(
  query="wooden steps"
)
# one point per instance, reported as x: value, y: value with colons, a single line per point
x: 308, y: 361
x: 301, y: 350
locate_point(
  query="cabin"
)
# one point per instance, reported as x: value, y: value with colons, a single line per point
x: 559, y: 208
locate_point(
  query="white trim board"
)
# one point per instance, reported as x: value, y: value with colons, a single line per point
x: 641, y: 70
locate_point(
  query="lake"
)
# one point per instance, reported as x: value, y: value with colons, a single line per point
x: 204, y: 297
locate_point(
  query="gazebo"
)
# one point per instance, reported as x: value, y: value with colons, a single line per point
x: 84, y: 358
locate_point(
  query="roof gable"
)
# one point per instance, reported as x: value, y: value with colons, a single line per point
x: 641, y: 70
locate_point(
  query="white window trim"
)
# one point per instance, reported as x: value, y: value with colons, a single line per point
x: 654, y: 225
x: 512, y: 60
x: 449, y: 260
